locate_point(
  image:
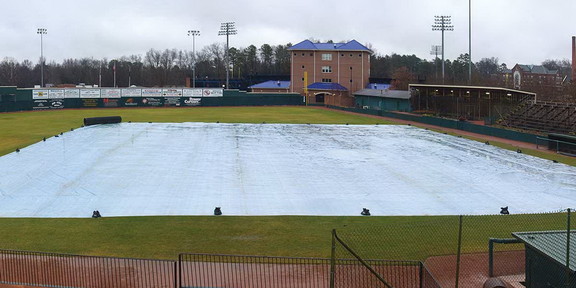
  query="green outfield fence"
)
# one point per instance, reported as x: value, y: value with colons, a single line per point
x: 13, y: 99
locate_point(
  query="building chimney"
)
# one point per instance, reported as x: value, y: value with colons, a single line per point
x: 574, y: 59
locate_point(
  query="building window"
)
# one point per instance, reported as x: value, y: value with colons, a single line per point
x: 294, y: 53
x: 302, y: 79
x: 311, y: 54
x: 326, y: 69
x: 326, y: 80
x: 326, y: 57
x: 303, y: 54
x: 302, y: 66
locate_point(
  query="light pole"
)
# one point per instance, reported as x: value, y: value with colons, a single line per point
x: 114, y: 70
x: 442, y: 23
x: 193, y: 33
x: 227, y: 29
x: 42, y: 31
x: 435, y: 50
x: 469, y: 42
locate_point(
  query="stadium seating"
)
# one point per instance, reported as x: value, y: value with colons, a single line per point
x: 546, y: 117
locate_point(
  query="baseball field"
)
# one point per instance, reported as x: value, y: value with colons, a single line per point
x: 165, y: 237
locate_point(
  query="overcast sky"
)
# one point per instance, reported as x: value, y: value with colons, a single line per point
x: 515, y: 31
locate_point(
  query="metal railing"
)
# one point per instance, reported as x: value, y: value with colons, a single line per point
x: 65, y: 270
x: 208, y: 270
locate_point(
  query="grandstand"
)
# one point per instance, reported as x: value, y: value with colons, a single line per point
x: 544, y: 117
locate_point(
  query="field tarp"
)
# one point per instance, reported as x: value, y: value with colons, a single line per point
x: 133, y: 169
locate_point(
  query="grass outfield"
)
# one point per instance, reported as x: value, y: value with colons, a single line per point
x: 21, y: 129
x: 164, y: 237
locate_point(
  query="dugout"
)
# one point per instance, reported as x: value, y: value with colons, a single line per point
x: 546, y: 261
x: 467, y: 102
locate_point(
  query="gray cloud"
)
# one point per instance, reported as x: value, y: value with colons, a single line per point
x: 515, y: 31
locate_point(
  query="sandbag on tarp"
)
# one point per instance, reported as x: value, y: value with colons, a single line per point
x: 102, y: 120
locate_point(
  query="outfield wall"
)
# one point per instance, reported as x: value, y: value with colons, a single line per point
x: 14, y: 99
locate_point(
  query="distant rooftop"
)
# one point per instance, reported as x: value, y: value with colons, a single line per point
x: 536, y: 69
x: 350, y: 46
x: 272, y: 84
x: 327, y: 86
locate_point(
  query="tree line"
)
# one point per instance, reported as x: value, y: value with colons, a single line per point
x: 249, y: 65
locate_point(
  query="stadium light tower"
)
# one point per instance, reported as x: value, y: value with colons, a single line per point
x: 42, y: 32
x: 435, y: 51
x: 442, y: 23
x: 193, y: 33
x: 469, y: 42
x: 227, y: 29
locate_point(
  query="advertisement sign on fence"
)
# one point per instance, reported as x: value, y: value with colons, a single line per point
x: 110, y: 102
x: 171, y: 92
x: 110, y: 93
x: 212, y: 92
x: 90, y: 103
x: 151, y: 92
x: 132, y: 92
x: 172, y: 101
x: 39, y: 94
x: 56, y: 93
x: 151, y: 101
x: 192, y: 101
x: 131, y: 102
x: 194, y: 92
x: 72, y: 93
x: 40, y: 104
x: 89, y: 93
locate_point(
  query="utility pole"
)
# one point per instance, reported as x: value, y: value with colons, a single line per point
x: 227, y: 29
x: 442, y: 23
x: 42, y: 32
x: 193, y: 33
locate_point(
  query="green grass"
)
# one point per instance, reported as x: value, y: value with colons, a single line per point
x: 21, y: 129
x: 401, y: 238
x: 414, y: 237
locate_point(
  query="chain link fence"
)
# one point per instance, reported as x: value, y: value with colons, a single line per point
x: 456, y: 251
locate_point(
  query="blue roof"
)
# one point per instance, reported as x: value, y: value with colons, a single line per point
x: 350, y: 46
x: 378, y: 86
x: 326, y: 86
x: 272, y: 84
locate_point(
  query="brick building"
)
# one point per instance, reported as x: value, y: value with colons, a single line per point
x: 534, y: 78
x: 328, y: 73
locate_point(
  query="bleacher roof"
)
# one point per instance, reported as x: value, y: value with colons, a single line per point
x: 327, y: 86
x: 350, y: 46
x: 272, y: 84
